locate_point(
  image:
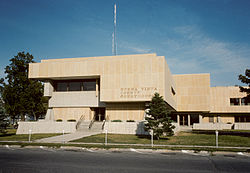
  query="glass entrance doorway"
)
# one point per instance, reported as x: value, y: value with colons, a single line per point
x: 99, y: 114
x: 183, y: 120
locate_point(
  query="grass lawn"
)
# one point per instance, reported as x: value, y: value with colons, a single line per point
x: 183, y: 138
x: 11, y: 136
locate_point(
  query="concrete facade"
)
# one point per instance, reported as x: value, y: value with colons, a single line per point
x: 122, y: 86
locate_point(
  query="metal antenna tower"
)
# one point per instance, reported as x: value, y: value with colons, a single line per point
x: 114, y: 46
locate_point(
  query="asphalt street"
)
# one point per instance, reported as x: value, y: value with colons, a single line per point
x: 98, y: 161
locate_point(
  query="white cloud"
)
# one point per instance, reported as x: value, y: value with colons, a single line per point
x: 133, y: 48
x: 194, y: 52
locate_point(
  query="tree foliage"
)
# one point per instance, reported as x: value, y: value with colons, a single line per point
x: 246, y: 80
x: 3, y: 118
x: 20, y: 94
x: 158, y: 118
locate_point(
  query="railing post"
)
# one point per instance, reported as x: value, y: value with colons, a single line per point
x: 106, y: 137
x: 152, y: 138
x: 216, y: 136
x: 30, y: 134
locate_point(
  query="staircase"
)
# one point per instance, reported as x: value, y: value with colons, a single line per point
x: 84, y: 127
x: 83, y: 130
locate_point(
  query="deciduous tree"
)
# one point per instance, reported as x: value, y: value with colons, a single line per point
x: 20, y: 94
x: 246, y: 80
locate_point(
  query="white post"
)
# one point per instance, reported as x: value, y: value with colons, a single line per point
x: 189, y: 120
x: 200, y: 119
x: 63, y: 137
x: 152, y: 138
x: 29, y: 134
x: 106, y: 137
x: 178, y: 119
x: 216, y: 134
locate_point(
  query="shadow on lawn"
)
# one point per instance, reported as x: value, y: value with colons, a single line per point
x: 149, y: 137
x: 7, y: 134
x: 224, y: 132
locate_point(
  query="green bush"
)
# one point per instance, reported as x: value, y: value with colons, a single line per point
x: 116, y: 121
x: 59, y: 120
x: 71, y: 120
x: 130, y: 120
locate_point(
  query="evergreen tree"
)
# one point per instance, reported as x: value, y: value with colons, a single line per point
x: 158, y: 118
x: 20, y: 94
x: 245, y: 79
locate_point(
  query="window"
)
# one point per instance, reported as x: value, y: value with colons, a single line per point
x: 245, y: 101
x: 61, y: 86
x: 89, y: 85
x: 211, y: 119
x: 239, y: 101
x: 242, y: 119
x: 74, y: 86
x: 234, y: 101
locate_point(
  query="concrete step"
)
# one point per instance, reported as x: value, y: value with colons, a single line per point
x: 96, y: 127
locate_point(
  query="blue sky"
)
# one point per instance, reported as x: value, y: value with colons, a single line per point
x: 195, y: 36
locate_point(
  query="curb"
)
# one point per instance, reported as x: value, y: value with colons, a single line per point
x: 183, y: 148
x: 141, y: 151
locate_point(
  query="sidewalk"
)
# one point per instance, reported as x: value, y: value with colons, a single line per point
x: 67, y: 137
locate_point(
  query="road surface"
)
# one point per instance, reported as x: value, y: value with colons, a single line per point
x: 99, y: 161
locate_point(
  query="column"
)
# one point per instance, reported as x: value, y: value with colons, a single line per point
x: 96, y: 88
x: 178, y: 119
x: 200, y: 119
x: 218, y: 119
x: 188, y: 120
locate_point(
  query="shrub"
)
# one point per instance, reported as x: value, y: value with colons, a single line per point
x: 116, y: 121
x: 130, y: 120
x: 59, y: 120
x: 71, y: 120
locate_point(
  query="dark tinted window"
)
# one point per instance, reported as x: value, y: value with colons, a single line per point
x: 74, y: 86
x: 234, y: 101
x: 89, y: 85
x: 245, y: 101
x: 61, y: 86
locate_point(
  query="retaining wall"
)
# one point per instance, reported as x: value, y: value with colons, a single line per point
x: 242, y: 126
x: 46, y: 127
x: 212, y: 126
x: 129, y: 127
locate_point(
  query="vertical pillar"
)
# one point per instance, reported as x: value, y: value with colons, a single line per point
x: 200, y: 119
x: 218, y: 119
x: 188, y: 119
x: 96, y: 88
x: 178, y: 119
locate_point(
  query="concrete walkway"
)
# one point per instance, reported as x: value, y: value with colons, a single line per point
x: 68, y: 137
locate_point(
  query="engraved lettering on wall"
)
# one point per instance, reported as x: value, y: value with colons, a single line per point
x: 143, y: 92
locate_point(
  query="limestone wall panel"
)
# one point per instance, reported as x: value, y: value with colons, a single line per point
x: 115, y: 72
x: 71, y: 113
x: 220, y: 100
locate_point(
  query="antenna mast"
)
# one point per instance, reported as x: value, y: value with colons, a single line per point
x: 114, y: 47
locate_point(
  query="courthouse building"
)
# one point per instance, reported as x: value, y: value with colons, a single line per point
x: 120, y: 88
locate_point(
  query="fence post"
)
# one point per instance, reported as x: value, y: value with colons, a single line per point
x: 216, y: 136
x: 29, y: 135
x: 152, y: 138
x: 106, y: 137
x: 63, y: 137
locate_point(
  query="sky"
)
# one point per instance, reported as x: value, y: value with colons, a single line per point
x: 195, y: 36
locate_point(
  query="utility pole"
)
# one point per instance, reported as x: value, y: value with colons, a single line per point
x: 114, y: 46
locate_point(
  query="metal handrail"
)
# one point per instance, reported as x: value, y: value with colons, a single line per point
x: 92, y: 122
x: 79, y: 121
x: 103, y: 124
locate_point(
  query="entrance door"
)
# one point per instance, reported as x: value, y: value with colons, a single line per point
x: 183, y: 120
x: 194, y: 118
x: 99, y: 114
